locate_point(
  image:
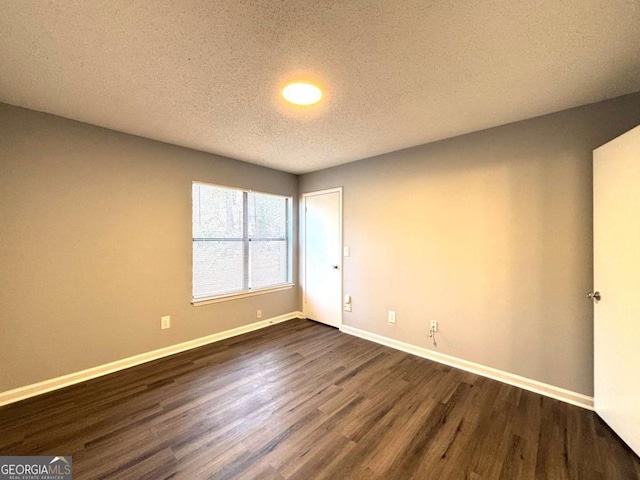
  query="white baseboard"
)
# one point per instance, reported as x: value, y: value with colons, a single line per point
x: 11, y: 396
x: 558, y: 393
x: 39, y: 388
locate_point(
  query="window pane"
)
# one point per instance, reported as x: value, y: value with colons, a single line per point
x: 217, y: 267
x: 268, y: 263
x: 241, y: 240
x: 267, y: 216
x: 217, y: 212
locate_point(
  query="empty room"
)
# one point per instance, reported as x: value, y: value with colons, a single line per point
x: 305, y: 239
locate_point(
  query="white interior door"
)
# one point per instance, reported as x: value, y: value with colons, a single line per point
x: 323, y: 257
x: 616, y: 202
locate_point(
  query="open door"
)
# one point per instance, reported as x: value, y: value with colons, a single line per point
x: 616, y: 236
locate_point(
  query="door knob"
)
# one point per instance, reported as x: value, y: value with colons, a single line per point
x: 594, y: 296
x: 335, y: 267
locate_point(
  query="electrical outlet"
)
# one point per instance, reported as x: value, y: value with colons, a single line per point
x: 347, y: 307
x: 392, y: 316
x: 165, y: 322
x: 434, y: 326
x: 258, y: 313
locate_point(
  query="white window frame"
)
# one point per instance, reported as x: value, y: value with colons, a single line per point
x: 249, y: 292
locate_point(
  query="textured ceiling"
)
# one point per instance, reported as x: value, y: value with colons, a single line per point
x: 396, y: 73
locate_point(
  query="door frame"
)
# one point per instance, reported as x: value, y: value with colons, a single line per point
x: 303, y: 246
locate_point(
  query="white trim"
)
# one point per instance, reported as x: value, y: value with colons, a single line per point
x: 39, y: 388
x: 236, y: 296
x: 302, y: 266
x: 552, y: 391
x: 322, y: 192
x: 239, y: 189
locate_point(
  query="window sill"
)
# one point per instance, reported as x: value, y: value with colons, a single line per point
x: 237, y: 296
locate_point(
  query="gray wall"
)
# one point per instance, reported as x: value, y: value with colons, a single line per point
x: 96, y: 245
x: 490, y: 234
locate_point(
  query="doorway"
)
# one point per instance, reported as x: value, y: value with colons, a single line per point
x: 322, y: 256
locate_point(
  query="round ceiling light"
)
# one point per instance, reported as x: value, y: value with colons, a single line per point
x: 302, y: 93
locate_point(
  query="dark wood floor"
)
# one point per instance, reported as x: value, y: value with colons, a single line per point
x: 301, y: 400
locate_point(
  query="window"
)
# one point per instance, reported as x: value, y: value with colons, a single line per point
x: 241, y: 241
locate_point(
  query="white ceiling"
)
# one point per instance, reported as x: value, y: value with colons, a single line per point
x: 206, y: 74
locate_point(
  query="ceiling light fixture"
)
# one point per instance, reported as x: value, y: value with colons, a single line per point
x: 302, y: 93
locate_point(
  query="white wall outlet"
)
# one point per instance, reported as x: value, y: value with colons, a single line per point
x: 392, y: 316
x: 347, y: 303
x: 258, y: 313
x: 165, y: 322
x: 434, y: 326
